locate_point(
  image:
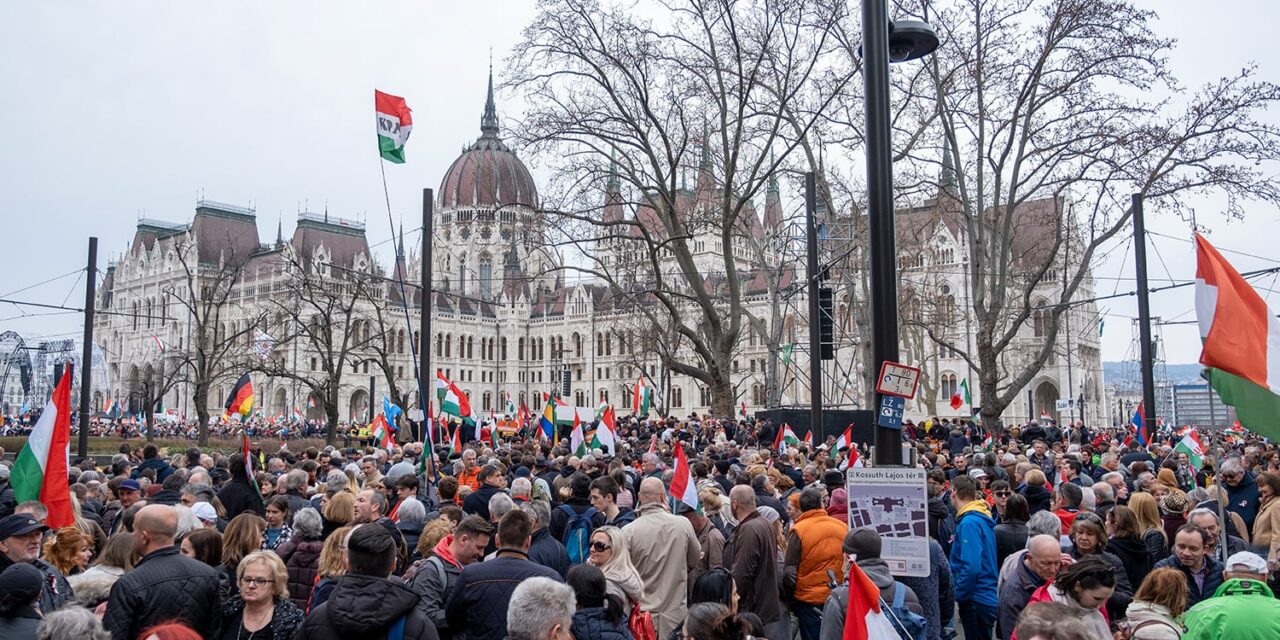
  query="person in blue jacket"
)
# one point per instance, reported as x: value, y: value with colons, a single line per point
x: 973, y: 560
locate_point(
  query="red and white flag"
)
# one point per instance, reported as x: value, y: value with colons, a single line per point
x: 863, y: 619
x: 845, y: 440
x: 683, y: 486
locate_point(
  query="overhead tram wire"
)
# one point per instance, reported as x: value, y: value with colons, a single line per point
x: 42, y: 282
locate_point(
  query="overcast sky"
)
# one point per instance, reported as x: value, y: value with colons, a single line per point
x: 112, y: 111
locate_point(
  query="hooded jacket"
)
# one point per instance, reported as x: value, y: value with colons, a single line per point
x: 1235, y: 600
x: 1150, y: 621
x: 973, y: 555
x: 1038, y: 498
x: 366, y: 607
x: 432, y: 593
x: 1133, y: 555
x: 592, y: 623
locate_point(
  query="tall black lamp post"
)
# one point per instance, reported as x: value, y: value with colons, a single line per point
x: 885, y: 42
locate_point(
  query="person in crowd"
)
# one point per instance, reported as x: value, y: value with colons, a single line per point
x: 1035, y: 490
x: 1242, y: 491
x: 714, y: 621
x: 76, y: 623
x: 1053, y: 621
x: 242, y: 537
x: 1173, y: 513
x: 1266, y: 525
x: 477, y: 601
x: 1208, y: 520
x: 718, y: 586
x: 151, y: 460
x: 331, y: 567
x: 68, y: 550
x: 1086, y: 586
x: 492, y: 482
x: 295, y: 484
x: 935, y: 591
x: 204, y: 545
x: 710, y: 539
x: 436, y: 576
x: 540, y: 608
x: 301, y: 555
x: 366, y: 603
x: 1039, y: 566
x: 1243, y: 607
x: 262, y: 607
x: 1012, y: 532
x: 1156, y: 607
x: 164, y: 585
x: 239, y: 494
x: 663, y: 548
x: 411, y: 517
x: 277, y: 530
x: 1066, y: 504
x: 813, y: 549
x: 1154, y: 538
x: 862, y: 546
x: 609, y: 552
x: 338, y: 512
x: 20, y: 586
x: 20, y: 536
x: 1191, y: 557
x: 94, y: 585
x: 545, y: 550
x: 973, y: 560
x: 604, y: 498
x: 752, y: 558
x: 7, y: 500
x: 1089, y: 539
x: 600, y: 614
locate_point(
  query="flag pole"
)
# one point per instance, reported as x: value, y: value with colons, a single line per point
x: 86, y: 354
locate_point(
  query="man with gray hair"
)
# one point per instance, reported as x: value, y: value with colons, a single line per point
x: 521, y: 490
x: 71, y: 622
x: 295, y: 490
x: 1242, y: 491
x: 544, y: 550
x: 541, y: 609
x: 1208, y: 520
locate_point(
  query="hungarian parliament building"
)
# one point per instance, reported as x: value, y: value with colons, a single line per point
x: 508, y: 326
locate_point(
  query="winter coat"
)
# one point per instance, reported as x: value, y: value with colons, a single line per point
x: 93, y: 587
x: 1244, y: 499
x: 813, y: 548
x: 1123, y: 594
x: 164, y: 586
x: 1266, y: 527
x: 1156, y: 545
x: 936, y: 594
x: 942, y: 523
x: 238, y: 496
x: 162, y: 467
x: 411, y: 533
x: 838, y: 508
x: 752, y: 559
x: 560, y: 519
x: 432, y: 592
x: 664, y: 548
x: 1133, y: 555
x: 286, y: 619
x: 22, y: 624
x: 1235, y: 600
x: 1038, y: 498
x: 711, y: 542
x: 302, y: 560
x: 366, y: 607
x: 7, y: 500
x: 973, y: 555
x: 478, y: 601
x: 836, y: 607
x: 1011, y: 537
x: 592, y: 624
x: 297, y: 502
x: 165, y: 497
x: 549, y: 552
x: 56, y: 592
x: 477, y: 503
x: 1212, y: 578
x: 625, y: 517
x: 1150, y: 621
x: 766, y: 500
x: 1015, y: 595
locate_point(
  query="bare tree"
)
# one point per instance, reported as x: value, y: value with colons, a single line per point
x: 1053, y: 112
x: 699, y: 88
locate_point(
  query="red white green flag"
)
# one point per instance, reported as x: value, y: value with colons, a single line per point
x: 1240, y: 341
x: 683, y: 486
x: 40, y: 471
x: 394, y: 125
x: 845, y: 440
x: 452, y: 400
x: 1191, y: 445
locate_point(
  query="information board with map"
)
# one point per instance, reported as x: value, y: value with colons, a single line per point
x: 894, y: 502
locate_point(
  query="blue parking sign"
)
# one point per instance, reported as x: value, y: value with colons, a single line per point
x: 891, y: 409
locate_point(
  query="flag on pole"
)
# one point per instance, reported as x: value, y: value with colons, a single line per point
x: 511, y: 406
x: 641, y: 398
x: 863, y: 619
x: 392, y: 412
x: 548, y: 420
x: 455, y: 443
x: 1140, y: 428
x: 683, y: 486
x: 241, y: 398
x: 808, y: 437
x: 297, y: 414
x: 653, y: 443
x: 786, y: 352
x: 1191, y: 445
x: 248, y: 462
x: 961, y: 396
x: 855, y: 459
x: 40, y: 471
x: 786, y: 437
x: 452, y: 400
x: 382, y: 433
x: 743, y: 411
x: 577, y: 440
x: 394, y: 125
x: 606, y: 433
x: 161, y: 345
x: 311, y: 402
x: 845, y: 440
x: 1240, y: 341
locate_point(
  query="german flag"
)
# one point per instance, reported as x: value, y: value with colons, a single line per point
x: 241, y: 399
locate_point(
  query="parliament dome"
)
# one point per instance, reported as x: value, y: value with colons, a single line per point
x: 488, y: 174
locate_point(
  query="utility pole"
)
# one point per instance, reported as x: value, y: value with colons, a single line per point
x: 424, y: 321
x: 1144, y: 315
x: 86, y: 353
x: 815, y: 347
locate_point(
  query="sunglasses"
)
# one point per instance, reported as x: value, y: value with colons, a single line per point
x: 600, y: 546
x: 1003, y: 494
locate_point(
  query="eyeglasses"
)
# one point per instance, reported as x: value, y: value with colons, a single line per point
x: 600, y: 546
x: 1003, y: 494
x: 256, y: 582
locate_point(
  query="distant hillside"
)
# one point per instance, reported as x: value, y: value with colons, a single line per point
x: 1126, y: 373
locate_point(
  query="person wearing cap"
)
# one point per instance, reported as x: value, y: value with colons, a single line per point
x: 129, y: 492
x: 1242, y: 608
x: 20, y: 587
x: 206, y: 514
x: 862, y: 547
x: 813, y: 549
x: 20, y: 538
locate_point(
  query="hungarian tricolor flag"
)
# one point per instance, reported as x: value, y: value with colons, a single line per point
x: 248, y: 463
x: 1191, y: 445
x: 452, y: 400
x: 961, y: 397
x: 863, y: 619
x: 1240, y: 341
x: 808, y: 437
x: 786, y: 437
x: 683, y: 487
x: 641, y: 398
x: 743, y: 412
x: 394, y: 125
x: 577, y: 439
x: 606, y: 432
x: 455, y: 443
x: 241, y: 398
x: 382, y: 433
x: 40, y: 471
x: 845, y: 440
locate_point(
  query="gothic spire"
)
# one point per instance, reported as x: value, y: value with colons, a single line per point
x: 612, y: 187
x: 947, y: 179
x: 279, y: 231
x: 773, y: 176
x: 489, y: 121
x: 400, y: 248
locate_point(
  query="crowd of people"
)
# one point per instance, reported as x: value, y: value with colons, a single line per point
x: 1041, y: 533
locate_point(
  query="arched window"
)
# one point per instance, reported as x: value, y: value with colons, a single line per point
x: 608, y: 344
x: 579, y: 398
x: 462, y: 275
x: 1039, y: 319
x: 948, y: 386
x: 677, y: 397
x: 604, y: 396
x: 503, y: 350
x: 577, y: 345
x: 487, y: 401
x: 448, y: 345
x: 439, y: 344
x: 520, y: 349
x: 599, y: 344
x: 471, y: 347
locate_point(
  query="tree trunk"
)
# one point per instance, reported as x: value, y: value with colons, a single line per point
x: 200, y: 397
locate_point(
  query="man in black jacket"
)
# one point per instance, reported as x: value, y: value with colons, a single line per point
x: 492, y: 482
x: 480, y: 596
x: 544, y: 549
x: 164, y: 585
x: 238, y: 495
x: 20, y: 538
x: 434, y: 579
x: 151, y: 460
x: 365, y: 604
x: 579, y: 501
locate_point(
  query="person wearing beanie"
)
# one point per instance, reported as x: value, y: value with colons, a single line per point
x: 862, y: 547
x: 20, y: 587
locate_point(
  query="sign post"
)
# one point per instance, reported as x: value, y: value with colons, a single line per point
x: 893, y: 501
